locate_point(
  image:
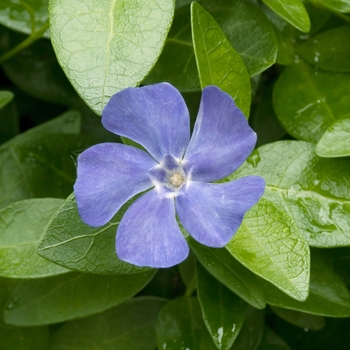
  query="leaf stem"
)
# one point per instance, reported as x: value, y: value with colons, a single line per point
x: 25, y: 43
x: 191, y: 288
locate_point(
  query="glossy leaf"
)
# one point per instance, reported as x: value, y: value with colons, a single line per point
x: 23, y: 338
x: 61, y: 298
x: 217, y: 61
x: 329, y: 50
x: 300, y: 319
x: 21, y: 226
x: 223, y: 311
x: 308, y: 101
x: 248, y: 30
x: 37, y: 163
x: 328, y: 295
x: 227, y: 270
x: 71, y: 243
x: 293, y: 11
x: 180, y: 326
x: 335, y: 142
x: 252, y: 330
x: 98, y: 42
x: 270, y: 244
x: 314, y: 191
x: 336, y: 5
x: 17, y: 17
x: 129, y: 326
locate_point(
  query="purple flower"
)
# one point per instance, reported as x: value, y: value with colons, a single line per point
x: 177, y: 173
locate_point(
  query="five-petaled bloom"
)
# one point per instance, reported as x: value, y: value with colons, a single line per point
x: 176, y: 173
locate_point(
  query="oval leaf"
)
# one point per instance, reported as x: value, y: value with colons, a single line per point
x: 60, y: 298
x: 180, y: 326
x: 230, y: 273
x: 217, y: 61
x: 329, y: 50
x: 21, y: 227
x: 328, y: 295
x: 98, y: 43
x: 69, y: 242
x: 293, y: 11
x: 223, y: 311
x: 307, y: 101
x: 129, y: 326
x: 314, y: 191
x: 335, y: 5
x: 269, y: 244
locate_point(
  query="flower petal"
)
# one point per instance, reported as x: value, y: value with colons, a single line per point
x: 212, y: 213
x: 155, y: 116
x: 148, y: 234
x: 221, y: 140
x: 108, y: 175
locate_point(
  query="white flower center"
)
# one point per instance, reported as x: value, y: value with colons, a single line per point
x: 177, y: 180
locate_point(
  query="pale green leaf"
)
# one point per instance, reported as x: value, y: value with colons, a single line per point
x: 106, y: 46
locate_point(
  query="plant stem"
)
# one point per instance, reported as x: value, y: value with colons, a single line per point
x: 25, y: 43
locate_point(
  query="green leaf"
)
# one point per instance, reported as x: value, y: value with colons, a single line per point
x: 285, y: 35
x: 314, y: 191
x: 21, y: 226
x: 335, y: 142
x: 308, y: 101
x: 180, y: 326
x: 35, y: 71
x: 329, y: 50
x: 293, y: 11
x: 248, y: 30
x: 38, y: 163
x: 300, y: 319
x: 335, y: 5
x: 65, y: 297
x: 223, y: 311
x: 23, y: 338
x: 106, y: 46
x: 328, y: 294
x: 217, y: 61
x: 8, y: 117
x: 252, y: 330
x: 269, y: 244
x: 230, y: 273
x: 272, y: 341
x: 71, y: 243
x: 187, y: 270
x: 19, y: 17
x: 129, y: 326
x: 5, y: 98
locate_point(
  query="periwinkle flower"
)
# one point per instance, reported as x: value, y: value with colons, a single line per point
x: 176, y: 174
